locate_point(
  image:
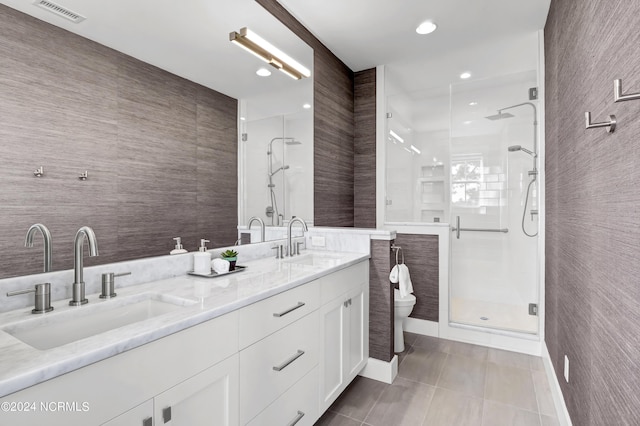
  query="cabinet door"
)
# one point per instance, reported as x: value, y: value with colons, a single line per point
x: 357, y: 323
x: 334, y: 339
x: 142, y: 415
x: 209, y: 398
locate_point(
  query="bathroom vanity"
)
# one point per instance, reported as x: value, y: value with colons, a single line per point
x: 275, y: 344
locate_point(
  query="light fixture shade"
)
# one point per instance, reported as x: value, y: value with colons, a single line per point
x: 267, y: 52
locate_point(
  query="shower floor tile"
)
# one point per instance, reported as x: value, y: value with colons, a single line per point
x: 495, y: 315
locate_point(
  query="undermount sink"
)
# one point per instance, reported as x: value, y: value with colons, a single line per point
x: 58, y: 329
x: 314, y: 259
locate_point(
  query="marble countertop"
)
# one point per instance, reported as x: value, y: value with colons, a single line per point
x: 199, y: 299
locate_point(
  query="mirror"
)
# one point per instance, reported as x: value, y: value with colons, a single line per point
x: 161, y: 152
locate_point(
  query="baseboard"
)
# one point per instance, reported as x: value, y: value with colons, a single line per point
x: 380, y: 370
x: 561, y: 408
x: 424, y: 327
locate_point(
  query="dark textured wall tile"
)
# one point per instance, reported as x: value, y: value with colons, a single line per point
x: 421, y: 257
x: 365, y: 149
x: 333, y: 102
x: 592, y: 224
x: 380, y: 302
x: 160, y: 150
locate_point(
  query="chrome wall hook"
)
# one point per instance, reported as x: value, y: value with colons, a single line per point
x: 84, y: 175
x: 617, y: 93
x: 39, y: 172
x: 611, y: 125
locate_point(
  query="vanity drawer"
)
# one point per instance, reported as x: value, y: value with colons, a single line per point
x: 270, y: 315
x: 274, y: 364
x: 342, y: 281
x: 300, y: 403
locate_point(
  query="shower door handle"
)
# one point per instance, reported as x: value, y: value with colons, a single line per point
x: 457, y: 229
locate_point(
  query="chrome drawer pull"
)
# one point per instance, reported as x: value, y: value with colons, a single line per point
x: 289, y: 361
x: 283, y: 313
x: 297, y: 419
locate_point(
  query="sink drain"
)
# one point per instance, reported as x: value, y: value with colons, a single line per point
x: 484, y: 318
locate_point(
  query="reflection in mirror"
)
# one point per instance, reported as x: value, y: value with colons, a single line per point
x: 147, y: 104
x: 276, y: 155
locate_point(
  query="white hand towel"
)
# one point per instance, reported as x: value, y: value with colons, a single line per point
x: 220, y: 266
x: 393, y: 275
x: 406, y: 287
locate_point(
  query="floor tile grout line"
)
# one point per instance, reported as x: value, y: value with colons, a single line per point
x: 535, y: 391
x: 484, y: 392
x: 426, y: 412
x: 442, y: 369
x: 377, y: 399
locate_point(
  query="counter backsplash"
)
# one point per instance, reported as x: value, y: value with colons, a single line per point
x: 161, y: 267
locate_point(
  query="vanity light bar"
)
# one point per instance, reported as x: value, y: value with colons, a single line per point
x: 267, y: 52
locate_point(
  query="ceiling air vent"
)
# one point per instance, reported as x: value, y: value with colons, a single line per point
x: 59, y: 10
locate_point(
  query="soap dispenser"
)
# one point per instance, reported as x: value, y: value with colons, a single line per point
x: 202, y: 259
x: 178, y: 248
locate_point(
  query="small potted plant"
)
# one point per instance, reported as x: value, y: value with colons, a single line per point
x: 230, y: 256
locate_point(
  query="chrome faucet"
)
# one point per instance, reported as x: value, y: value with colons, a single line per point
x: 78, y: 283
x: 290, y: 247
x: 261, y: 222
x: 46, y: 236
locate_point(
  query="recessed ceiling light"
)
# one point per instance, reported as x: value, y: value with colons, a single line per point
x: 306, y: 106
x: 465, y: 75
x: 263, y: 72
x: 467, y: 122
x: 427, y: 27
x: 474, y: 103
x: 242, y: 118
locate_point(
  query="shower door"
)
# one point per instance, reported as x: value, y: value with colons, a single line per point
x: 493, y: 277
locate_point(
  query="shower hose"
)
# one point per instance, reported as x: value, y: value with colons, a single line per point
x: 524, y: 210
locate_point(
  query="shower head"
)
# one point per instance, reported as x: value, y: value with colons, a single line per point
x: 287, y: 141
x: 514, y: 148
x: 499, y: 116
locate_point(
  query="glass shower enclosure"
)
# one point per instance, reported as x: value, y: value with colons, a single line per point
x: 466, y: 154
x: 494, y: 204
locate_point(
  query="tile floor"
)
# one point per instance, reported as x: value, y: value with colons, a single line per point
x: 446, y: 383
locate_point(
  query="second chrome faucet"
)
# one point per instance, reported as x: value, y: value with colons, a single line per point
x: 78, y: 287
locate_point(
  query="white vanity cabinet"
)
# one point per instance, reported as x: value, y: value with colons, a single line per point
x: 279, y: 341
x: 282, y: 360
x: 344, y: 330
x: 208, y: 398
x: 137, y: 384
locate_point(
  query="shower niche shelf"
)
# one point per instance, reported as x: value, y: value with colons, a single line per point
x: 431, y: 184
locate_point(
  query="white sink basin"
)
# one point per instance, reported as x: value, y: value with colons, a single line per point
x: 57, y: 329
x: 314, y: 259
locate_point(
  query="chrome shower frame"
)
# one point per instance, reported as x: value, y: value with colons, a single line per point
x: 533, y: 174
x: 272, y: 209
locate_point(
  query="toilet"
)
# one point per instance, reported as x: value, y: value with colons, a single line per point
x: 402, y: 309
